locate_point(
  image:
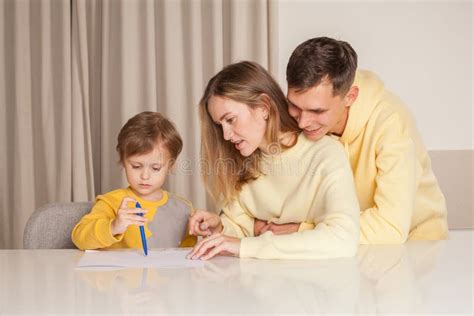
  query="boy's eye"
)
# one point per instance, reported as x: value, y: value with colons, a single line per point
x: 156, y: 168
x: 135, y: 167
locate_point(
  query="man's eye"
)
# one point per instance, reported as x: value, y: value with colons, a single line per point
x: 293, y: 107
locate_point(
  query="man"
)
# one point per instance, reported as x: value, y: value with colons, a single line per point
x: 398, y: 193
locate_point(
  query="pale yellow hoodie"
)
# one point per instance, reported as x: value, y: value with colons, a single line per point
x: 398, y: 193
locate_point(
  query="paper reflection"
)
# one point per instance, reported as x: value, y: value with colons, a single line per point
x: 128, y: 290
x: 228, y: 284
x: 380, y: 279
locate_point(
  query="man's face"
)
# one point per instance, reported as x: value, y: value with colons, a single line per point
x: 317, y: 111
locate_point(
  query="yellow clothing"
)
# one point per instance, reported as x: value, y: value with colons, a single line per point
x: 398, y: 193
x: 309, y: 183
x: 130, y: 278
x: 94, y: 230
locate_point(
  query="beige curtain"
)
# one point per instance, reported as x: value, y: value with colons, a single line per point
x: 72, y: 72
x: 36, y: 124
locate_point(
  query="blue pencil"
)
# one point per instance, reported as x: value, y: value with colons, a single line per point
x: 142, y: 232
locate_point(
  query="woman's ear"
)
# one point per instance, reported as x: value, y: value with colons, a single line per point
x: 265, y: 103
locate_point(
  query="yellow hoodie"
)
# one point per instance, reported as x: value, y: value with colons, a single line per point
x: 398, y: 193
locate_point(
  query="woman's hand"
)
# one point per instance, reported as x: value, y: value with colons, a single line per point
x: 127, y: 216
x: 216, y: 244
x: 261, y: 227
x: 203, y: 223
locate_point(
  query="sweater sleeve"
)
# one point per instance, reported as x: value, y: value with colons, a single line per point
x: 188, y: 240
x: 336, y: 234
x: 236, y: 221
x: 93, y: 231
x: 388, y: 220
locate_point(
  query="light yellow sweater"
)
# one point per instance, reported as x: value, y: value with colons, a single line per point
x: 310, y: 183
x: 398, y: 193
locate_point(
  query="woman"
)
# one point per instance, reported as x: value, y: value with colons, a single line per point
x: 259, y: 166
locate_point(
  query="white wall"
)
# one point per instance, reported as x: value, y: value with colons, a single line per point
x: 422, y: 50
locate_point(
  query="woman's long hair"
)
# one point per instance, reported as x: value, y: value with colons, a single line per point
x: 224, y: 169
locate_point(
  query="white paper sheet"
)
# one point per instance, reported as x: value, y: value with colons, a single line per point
x: 131, y: 258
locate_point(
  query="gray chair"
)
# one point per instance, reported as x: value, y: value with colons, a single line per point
x: 50, y: 226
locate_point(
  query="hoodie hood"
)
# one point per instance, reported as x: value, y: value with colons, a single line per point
x: 371, y: 90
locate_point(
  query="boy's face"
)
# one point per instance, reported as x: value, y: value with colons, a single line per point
x: 146, y: 173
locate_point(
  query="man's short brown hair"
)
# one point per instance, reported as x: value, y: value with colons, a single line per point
x: 146, y: 130
x: 319, y: 59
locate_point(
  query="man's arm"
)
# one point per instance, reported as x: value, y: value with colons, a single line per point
x: 388, y: 220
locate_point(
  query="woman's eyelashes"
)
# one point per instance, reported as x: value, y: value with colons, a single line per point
x: 230, y: 120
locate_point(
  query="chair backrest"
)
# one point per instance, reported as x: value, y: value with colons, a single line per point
x: 50, y: 226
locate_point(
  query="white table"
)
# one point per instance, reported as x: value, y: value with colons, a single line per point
x: 418, y: 277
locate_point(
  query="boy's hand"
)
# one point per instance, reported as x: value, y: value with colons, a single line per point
x: 127, y: 216
x: 204, y: 223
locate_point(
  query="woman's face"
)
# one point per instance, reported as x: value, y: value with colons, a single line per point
x: 242, y: 125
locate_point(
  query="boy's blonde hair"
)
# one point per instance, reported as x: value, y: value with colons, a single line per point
x: 146, y: 130
x: 224, y: 169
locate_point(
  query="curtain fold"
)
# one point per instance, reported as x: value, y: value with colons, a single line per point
x: 72, y: 73
x: 83, y: 98
x: 36, y: 103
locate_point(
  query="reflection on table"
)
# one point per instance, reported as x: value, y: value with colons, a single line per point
x: 418, y: 277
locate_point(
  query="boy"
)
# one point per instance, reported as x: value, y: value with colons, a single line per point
x: 148, y: 145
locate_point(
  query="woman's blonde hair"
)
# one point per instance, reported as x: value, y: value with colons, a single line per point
x: 224, y: 169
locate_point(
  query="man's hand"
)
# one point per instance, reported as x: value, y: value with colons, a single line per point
x: 261, y: 227
x: 258, y: 226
